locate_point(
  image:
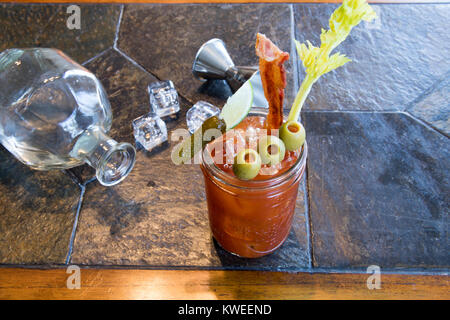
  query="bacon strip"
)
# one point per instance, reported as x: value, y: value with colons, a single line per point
x: 273, y: 76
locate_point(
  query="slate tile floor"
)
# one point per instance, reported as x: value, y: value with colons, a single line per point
x: 382, y: 197
x: 377, y: 184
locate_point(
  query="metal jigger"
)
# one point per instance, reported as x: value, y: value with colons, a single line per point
x: 212, y: 61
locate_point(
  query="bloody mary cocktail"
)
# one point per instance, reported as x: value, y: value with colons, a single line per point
x: 250, y: 218
x: 252, y: 172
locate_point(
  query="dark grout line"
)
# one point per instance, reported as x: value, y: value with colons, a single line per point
x: 73, y: 177
x: 296, y: 67
x: 406, y: 113
x: 294, y: 56
x: 134, y: 62
x: 425, y: 124
x: 387, y: 271
x: 116, y: 45
x: 96, y: 56
x: 308, y: 221
x: 89, y: 181
x: 435, y: 86
x: 119, y: 22
x: 75, y: 224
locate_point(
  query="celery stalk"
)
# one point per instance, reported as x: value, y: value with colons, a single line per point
x: 317, y: 60
x: 300, y: 98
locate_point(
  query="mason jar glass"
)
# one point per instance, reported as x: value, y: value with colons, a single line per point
x: 251, y: 218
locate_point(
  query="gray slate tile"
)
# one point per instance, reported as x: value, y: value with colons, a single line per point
x: 395, y: 59
x: 37, y: 213
x: 25, y: 25
x: 378, y: 188
x: 165, y: 39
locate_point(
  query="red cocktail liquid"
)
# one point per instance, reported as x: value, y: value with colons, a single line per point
x: 250, y: 218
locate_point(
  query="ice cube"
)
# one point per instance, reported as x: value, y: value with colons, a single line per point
x: 163, y: 98
x: 199, y: 112
x: 149, y: 131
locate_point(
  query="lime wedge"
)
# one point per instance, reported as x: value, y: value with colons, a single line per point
x: 238, y: 106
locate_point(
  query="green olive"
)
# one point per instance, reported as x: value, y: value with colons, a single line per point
x: 293, y: 135
x: 271, y: 149
x: 247, y: 164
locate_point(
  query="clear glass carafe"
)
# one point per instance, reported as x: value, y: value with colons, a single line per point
x: 54, y: 114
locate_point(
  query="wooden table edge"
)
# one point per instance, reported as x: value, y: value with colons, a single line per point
x: 136, y: 284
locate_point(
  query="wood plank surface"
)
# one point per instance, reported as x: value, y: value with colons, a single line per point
x: 17, y: 283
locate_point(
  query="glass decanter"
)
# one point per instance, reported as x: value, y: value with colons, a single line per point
x: 54, y: 114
